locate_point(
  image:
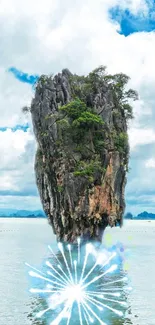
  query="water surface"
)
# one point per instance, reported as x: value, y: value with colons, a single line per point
x: 26, y: 240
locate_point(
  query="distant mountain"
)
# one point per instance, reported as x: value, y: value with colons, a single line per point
x: 128, y: 215
x: 12, y: 213
x: 145, y: 216
x: 142, y: 216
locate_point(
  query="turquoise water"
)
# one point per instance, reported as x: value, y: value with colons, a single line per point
x: 27, y: 240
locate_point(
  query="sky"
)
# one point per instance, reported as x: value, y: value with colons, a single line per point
x: 79, y: 35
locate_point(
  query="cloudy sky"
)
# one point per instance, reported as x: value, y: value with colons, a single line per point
x: 49, y: 35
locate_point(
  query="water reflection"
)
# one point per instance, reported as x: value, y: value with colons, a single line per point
x: 37, y: 305
x: 108, y: 283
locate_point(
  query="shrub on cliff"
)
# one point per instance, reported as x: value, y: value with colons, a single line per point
x: 80, y: 125
x: 87, y: 87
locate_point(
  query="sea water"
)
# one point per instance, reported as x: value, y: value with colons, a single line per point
x: 26, y: 240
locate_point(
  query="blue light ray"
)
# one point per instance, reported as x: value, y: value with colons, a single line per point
x: 74, y: 288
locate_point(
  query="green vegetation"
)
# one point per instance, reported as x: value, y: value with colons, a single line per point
x: 81, y: 124
x: 82, y: 132
x: 60, y: 188
x: 121, y: 141
x: 81, y: 127
x: 89, y: 169
x: 39, y: 158
x: 44, y: 134
x: 87, y: 87
x: 39, y: 153
x: 25, y: 109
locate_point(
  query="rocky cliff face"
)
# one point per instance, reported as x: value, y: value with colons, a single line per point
x: 81, y: 177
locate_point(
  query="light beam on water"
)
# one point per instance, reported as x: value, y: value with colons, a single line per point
x: 72, y: 286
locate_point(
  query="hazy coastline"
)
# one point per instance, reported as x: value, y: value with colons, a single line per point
x: 126, y: 223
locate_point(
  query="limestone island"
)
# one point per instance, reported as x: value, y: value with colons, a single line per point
x: 80, y: 125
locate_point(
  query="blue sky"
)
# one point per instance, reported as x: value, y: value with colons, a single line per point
x: 22, y: 76
x: 15, y: 128
x: 80, y: 36
x: 133, y: 22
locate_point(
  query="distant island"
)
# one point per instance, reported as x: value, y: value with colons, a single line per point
x: 142, y: 216
x: 12, y: 213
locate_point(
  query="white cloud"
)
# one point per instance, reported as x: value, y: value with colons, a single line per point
x: 16, y: 163
x: 135, y: 6
x: 51, y: 35
x: 7, y: 183
x: 141, y: 137
x: 20, y: 202
x: 150, y: 163
x: 13, y: 96
x: 13, y: 147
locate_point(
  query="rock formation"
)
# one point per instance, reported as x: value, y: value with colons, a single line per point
x: 80, y: 124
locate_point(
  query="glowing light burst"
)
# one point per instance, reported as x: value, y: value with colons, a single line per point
x: 75, y: 284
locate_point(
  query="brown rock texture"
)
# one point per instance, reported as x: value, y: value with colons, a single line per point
x: 75, y: 205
